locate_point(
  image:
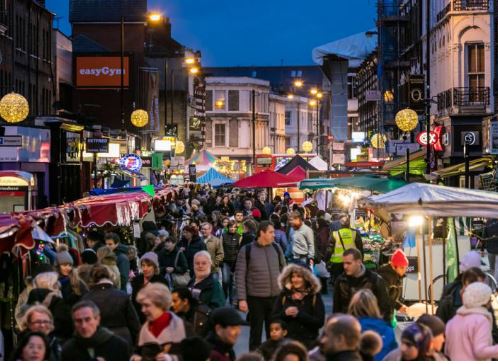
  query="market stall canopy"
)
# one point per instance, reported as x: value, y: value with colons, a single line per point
x: 203, y: 160
x: 476, y: 165
x: 16, y: 231
x: 434, y: 200
x: 214, y: 178
x: 319, y: 163
x: 316, y: 184
x: 370, y: 183
x: 296, y: 168
x: 116, y: 209
x: 266, y: 179
x: 17, y: 178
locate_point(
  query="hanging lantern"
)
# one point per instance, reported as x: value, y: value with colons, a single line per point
x: 14, y: 108
x: 307, y: 146
x: 139, y: 118
x: 290, y: 151
x: 180, y: 147
x: 378, y: 141
x: 406, y: 120
x: 266, y: 150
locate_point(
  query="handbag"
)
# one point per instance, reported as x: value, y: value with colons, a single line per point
x: 180, y: 280
x: 320, y: 270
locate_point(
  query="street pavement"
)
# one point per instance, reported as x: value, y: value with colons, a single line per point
x: 243, y: 342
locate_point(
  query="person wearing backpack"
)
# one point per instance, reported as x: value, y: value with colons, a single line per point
x: 256, y: 275
x: 300, y: 304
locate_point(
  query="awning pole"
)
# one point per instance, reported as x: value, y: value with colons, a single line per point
x: 431, y: 271
x: 425, y: 272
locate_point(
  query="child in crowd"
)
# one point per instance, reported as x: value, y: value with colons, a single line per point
x: 278, y: 332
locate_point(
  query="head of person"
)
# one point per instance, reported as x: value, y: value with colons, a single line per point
x: 344, y: 220
x: 352, y: 262
x: 94, y: 238
x: 364, y: 304
x: 342, y: 333
x: 224, y: 221
x: 189, y: 232
x: 250, y: 226
x: 150, y: 238
x: 226, y: 200
x: 89, y: 256
x: 64, y: 261
x: 256, y: 214
x: 415, y: 342
x: 470, y: 260
x: 38, y: 318
x: 472, y: 275
x: 202, y: 349
x: 195, y: 205
x: 287, y: 196
x: 86, y: 318
x: 47, y: 280
x: 399, y: 262
x: 437, y: 328
x: 239, y: 216
x: 202, y: 265
x: 33, y: 346
x: 370, y: 343
x: 291, y: 350
x: 155, y: 299
x: 112, y: 240
x: 298, y: 278
x: 181, y: 300
x: 100, y: 273
x: 476, y: 295
x: 132, y: 252
x: 226, y: 323
x: 149, y: 264
x: 296, y: 219
x: 105, y: 255
x: 250, y: 356
x: 170, y: 244
x: 206, y: 229
x: 278, y: 330
x: 266, y: 233
x: 232, y: 227
x: 247, y: 204
x: 163, y: 234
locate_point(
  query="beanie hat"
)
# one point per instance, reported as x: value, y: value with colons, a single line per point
x: 151, y: 257
x: 476, y: 294
x: 420, y: 336
x: 470, y: 260
x: 63, y: 256
x: 256, y: 213
x: 399, y: 259
x: 89, y: 256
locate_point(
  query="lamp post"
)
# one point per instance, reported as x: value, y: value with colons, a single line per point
x: 121, y: 90
x: 253, y: 107
x: 296, y: 84
x: 428, y: 83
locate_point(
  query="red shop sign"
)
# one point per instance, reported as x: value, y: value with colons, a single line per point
x: 435, y: 138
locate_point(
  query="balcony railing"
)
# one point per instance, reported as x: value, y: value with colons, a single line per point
x: 464, y: 100
x: 462, y: 5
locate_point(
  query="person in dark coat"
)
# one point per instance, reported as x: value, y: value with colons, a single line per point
x: 341, y: 339
x: 231, y: 246
x: 32, y: 346
x: 90, y: 340
x: 191, y: 243
x: 356, y: 277
x: 120, y: 317
x: 113, y: 241
x: 393, y: 273
x: 171, y: 258
x: 300, y: 304
x: 150, y: 274
x: 225, y: 325
x: 205, y: 289
x: 490, y: 237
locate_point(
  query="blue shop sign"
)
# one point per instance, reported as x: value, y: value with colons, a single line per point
x: 131, y: 162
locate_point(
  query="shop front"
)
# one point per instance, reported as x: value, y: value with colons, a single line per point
x: 16, y: 191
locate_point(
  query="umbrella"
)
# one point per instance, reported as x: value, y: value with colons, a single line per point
x: 214, y: 178
x: 266, y: 179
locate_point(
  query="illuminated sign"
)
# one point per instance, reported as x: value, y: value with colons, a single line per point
x: 435, y: 138
x: 95, y: 71
x: 131, y: 162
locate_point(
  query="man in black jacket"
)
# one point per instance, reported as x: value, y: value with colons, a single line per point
x: 393, y: 273
x: 90, y: 341
x: 356, y: 277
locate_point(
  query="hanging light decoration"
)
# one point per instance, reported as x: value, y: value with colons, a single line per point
x: 406, y: 120
x: 139, y: 118
x: 307, y: 146
x: 290, y: 151
x: 180, y: 147
x: 378, y: 141
x: 14, y: 108
x: 266, y: 150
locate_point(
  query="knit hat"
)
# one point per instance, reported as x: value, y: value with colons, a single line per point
x: 476, y: 294
x: 470, y: 260
x: 89, y: 256
x: 399, y: 259
x: 420, y: 336
x: 63, y: 257
x: 151, y: 257
x: 163, y: 234
x: 256, y: 213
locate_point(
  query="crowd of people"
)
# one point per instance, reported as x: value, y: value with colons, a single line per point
x: 216, y: 260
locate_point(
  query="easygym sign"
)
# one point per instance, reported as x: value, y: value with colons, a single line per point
x: 96, y: 71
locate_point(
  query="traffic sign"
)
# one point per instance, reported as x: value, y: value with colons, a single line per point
x: 11, y: 141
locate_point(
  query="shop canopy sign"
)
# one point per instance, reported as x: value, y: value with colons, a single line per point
x: 435, y: 138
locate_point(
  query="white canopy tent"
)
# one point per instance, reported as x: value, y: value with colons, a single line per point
x: 434, y: 200
x: 319, y: 163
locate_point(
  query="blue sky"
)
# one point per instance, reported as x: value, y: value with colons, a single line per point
x: 255, y: 32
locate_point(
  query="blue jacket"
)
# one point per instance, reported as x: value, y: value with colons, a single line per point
x: 385, y: 331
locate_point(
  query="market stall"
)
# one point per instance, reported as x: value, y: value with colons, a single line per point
x: 203, y: 160
x: 214, y: 178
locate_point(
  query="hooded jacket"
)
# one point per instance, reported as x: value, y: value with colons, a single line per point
x: 103, y: 344
x: 208, y: 292
x: 385, y: 331
x: 306, y: 325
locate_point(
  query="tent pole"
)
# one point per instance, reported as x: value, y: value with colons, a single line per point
x: 425, y: 272
x: 419, y: 273
x: 456, y: 246
x: 431, y: 271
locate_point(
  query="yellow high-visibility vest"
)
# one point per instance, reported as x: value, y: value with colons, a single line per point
x: 344, y: 239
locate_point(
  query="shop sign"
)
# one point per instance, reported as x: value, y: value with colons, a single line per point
x: 493, y: 136
x: 11, y: 141
x: 412, y: 265
x: 435, y: 138
x: 131, y: 162
x: 97, y: 145
x: 146, y: 162
x: 171, y: 130
x: 470, y: 137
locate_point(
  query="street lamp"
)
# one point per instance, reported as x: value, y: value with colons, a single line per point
x: 298, y: 83
x: 307, y: 146
x: 194, y: 70
x: 314, y: 91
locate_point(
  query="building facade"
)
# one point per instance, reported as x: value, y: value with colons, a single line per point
x: 300, y: 123
x: 231, y: 125
x: 277, y: 123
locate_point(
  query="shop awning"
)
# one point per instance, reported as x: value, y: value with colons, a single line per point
x: 266, y: 179
x: 316, y: 183
x: 476, y: 165
x: 366, y: 182
x: 398, y: 166
x: 16, y: 231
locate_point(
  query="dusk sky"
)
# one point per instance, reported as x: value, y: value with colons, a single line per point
x: 255, y: 32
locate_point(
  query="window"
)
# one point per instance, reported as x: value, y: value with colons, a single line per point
x: 219, y: 100
x: 233, y: 100
x: 288, y: 117
x: 209, y: 100
x: 351, y: 87
x: 219, y: 135
x: 475, y: 70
